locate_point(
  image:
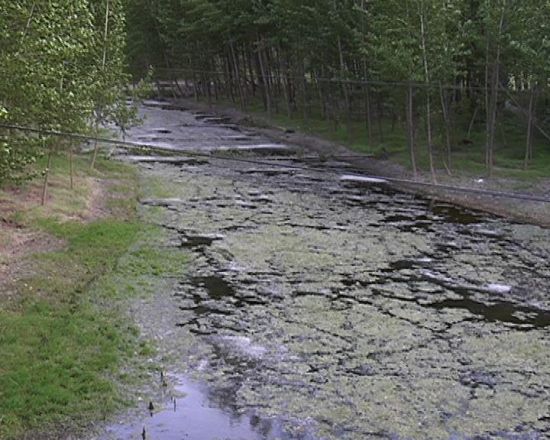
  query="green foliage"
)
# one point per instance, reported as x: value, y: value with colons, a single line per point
x: 466, y: 60
x: 15, y: 155
x: 61, y: 66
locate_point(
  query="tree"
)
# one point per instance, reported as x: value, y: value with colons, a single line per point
x: 52, y: 75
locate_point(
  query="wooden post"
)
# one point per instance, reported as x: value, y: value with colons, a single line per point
x: 46, y: 174
x: 96, y: 144
x: 71, y: 166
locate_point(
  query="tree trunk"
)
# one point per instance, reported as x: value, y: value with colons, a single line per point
x: 428, y: 97
x: 380, y: 118
x: 71, y: 166
x: 493, y: 101
x: 529, y: 142
x: 287, y: 88
x: 178, y: 87
x: 410, y: 128
x: 264, y: 80
x: 230, y: 81
x: 105, y: 35
x: 447, y: 123
x: 305, y: 98
x: 368, y: 114
x: 96, y: 144
x: 472, y: 122
x: 237, y: 75
x: 344, y: 85
x: 46, y: 175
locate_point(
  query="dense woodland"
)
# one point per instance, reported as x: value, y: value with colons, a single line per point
x: 438, y: 70
x: 445, y: 74
x: 62, y: 67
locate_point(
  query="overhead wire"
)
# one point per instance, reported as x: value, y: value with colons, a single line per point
x: 359, y: 81
x: 324, y: 170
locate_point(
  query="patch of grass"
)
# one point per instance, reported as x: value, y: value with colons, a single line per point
x: 66, y: 203
x: 54, y: 365
x: 65, y: 343
x: 56, y: 345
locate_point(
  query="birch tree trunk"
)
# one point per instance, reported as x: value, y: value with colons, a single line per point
x: 529, y: 141
x: 428, y: 93
x: 410, y: 127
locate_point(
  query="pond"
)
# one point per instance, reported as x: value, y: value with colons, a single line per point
x: 321, y: 308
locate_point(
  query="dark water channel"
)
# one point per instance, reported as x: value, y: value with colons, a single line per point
x: 320, y: 309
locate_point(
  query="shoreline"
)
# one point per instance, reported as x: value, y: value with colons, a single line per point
x: 537, y: 213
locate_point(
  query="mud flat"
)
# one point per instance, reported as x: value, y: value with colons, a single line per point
x: 316, y: 307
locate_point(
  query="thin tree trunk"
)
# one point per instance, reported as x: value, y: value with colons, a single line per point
x: 71, y: 166
x: 380, y: 119
x: 286, y: 88
x: 28, y: 25
x: 368, y: 114
x: 529, y: 142
x: 410, y: 128
x: 96, y: 145
x: 344, y: 85
x: 487, y: 102
x: 104, y: 63
x: 265, y: 80
x: 447, y: 124
x: 46, y: 175
x: 229, y: 83
x: 494, y: 100
x: 181, y: 92
x: 322, y: 97
x: 304, y: 92
x: 105, y: 34
x: 251, y: 71
x: 472, y: 122
x: 428, y: 98
x: 237, y: 75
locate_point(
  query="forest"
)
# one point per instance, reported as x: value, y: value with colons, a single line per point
x: 466, y: 76
x: 431, y: 78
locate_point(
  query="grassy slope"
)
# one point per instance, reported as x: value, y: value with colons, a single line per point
x: 468, y: 159
x: 63, y: 353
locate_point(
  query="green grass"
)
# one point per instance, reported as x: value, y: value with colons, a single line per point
x: 56, y: 347
x: 65, y: 344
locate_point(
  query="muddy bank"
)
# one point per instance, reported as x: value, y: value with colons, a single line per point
x: 325, y: 309
x: 525, y: 211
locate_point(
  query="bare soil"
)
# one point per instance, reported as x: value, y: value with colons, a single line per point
x: 19, y: 241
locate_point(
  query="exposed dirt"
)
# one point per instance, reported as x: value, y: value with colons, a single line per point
x: 16, y: 246
x: 532, y: 212
x: 18, y: 242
